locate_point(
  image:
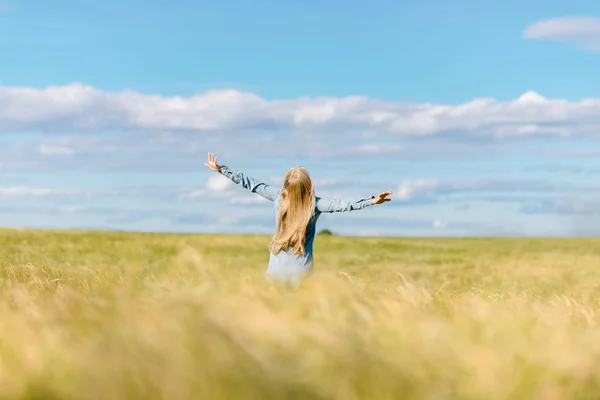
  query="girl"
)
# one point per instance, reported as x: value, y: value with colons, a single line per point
x: 297, y: 209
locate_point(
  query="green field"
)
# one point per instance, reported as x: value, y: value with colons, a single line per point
x: 89, y: 315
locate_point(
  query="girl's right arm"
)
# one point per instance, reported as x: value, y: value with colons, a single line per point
x: 338, y: 205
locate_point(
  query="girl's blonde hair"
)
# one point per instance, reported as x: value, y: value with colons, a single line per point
x: 296, y: 208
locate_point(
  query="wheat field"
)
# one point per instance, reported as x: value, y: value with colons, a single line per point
x: 106, y: 315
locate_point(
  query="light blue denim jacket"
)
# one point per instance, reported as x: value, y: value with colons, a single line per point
x: 283, y: 265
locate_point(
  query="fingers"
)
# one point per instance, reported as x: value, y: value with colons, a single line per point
x: 212, y: 159
x: 383, y: 197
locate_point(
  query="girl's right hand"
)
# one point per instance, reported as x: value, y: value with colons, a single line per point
x: 382, y: 198
x: 212, y: 163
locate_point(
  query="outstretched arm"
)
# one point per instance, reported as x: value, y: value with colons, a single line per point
x: 338, y: 205
x: 240, y: 179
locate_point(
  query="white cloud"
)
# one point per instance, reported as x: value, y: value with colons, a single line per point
x: 439, y: 224
x: 218, y: 183
x: 413, y: 189
x: 216, y: 187
x: 50, y: 150
x: 82, y: 108
x: 25, y: 191
x: 249, y: 200
x: 583, y: 32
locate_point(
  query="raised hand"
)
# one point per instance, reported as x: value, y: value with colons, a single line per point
x: 382, y: 198
x: 212, y: 163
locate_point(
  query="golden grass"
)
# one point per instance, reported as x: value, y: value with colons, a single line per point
x: 92, y: 315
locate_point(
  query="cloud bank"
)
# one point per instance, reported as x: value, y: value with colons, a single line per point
x: 369, y: 145
x: 80, y: 108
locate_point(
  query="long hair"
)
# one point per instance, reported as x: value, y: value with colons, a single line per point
x: 296, y: 208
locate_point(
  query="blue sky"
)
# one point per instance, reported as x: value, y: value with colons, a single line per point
x: 482, y: 117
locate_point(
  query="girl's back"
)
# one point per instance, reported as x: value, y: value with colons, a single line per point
x: 294, y: 267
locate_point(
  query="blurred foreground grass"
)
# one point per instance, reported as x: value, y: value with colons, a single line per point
x: 89, y: 315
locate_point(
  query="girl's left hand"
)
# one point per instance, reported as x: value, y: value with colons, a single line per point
x: 212, y: 163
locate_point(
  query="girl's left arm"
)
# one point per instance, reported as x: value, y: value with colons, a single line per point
x: 249, y: 183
